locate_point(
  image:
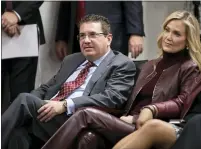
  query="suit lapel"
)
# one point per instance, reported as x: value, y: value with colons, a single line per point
x: 99, y: 72
x: 70, y: 66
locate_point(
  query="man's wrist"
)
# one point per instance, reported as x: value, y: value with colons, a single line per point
x: 17, y: 15
x: 64, y: 104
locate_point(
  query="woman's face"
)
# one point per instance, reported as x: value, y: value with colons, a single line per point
x: 174, y: 37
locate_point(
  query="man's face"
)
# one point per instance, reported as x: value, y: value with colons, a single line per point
x: 93, y: 43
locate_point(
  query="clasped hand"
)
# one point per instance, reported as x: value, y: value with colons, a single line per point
x: 144, y: 116
x: 50, y: 109
x: 9, y: 24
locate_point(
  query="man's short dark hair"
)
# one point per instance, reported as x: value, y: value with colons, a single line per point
x: 105, y: 24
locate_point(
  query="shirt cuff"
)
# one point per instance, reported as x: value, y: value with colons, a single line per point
x: 19, y: 18
x: 70, y: 107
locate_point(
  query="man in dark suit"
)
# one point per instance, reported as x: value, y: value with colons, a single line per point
x: 20, y: 71
x: 96, y: 77
x: 126, y: 18
x: 191, y: 135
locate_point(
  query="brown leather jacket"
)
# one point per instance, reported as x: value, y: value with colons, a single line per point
x: 171, y: 90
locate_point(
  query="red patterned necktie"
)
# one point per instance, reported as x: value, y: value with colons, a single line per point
x: 68, y: 87
x: 80, y: 10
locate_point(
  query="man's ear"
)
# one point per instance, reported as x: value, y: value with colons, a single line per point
x: 109, y: 38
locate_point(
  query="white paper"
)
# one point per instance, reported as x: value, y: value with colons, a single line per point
x: 23, y: 45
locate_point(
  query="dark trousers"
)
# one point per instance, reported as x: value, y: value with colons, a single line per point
x: 18, y: 76
x: 190, y: 138
x: 19, y: 122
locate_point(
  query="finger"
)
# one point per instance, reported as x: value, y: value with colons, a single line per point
x: 4, y: 24
x: 43, y: 108
x: 3, y: 21
x: 58, y: 52
x: 47, y: 116
x: 44, y: 113
x: 122, y: 117
x: 8, y: 25
x: 18, y: 30
x: 15, y: 32
x: 50, y: 117
x: 141, y: 48
x: 131, y: 50
x: 12, y: 31
x: 137, y: 51
x: 138, y: 125
x: 7, y: 28
x: 133, y: 53
x: 64, y: 52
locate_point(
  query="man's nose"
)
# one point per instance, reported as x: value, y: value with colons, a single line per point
x: 87, y: 39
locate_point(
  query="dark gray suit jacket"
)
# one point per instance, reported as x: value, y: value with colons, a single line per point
x: 126, y: 18
x: 109, y: 86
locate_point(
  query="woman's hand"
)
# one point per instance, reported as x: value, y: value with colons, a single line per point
x: 145, y: 115
x: 128, y: 119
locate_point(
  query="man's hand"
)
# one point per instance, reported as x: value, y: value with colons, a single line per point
x: 12, y: 30
x: 50, y: 109
x: 135, y: 45
x: 128, y: 119
x: 61, y: 49
x: 145, y: 115
x: 8, y: 19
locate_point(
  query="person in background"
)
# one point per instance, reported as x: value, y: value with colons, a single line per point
x: 191, y: 135
x: 126, y: 18
x: 20, y: 71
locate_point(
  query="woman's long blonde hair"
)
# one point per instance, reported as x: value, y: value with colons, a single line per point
x: 192, y: 34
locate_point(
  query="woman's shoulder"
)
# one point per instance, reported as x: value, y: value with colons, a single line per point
x: 189, y: 63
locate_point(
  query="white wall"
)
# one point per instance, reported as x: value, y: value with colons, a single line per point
x: 48, y: 63
x: 154, y: 14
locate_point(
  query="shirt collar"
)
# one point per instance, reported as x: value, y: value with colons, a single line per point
x: 98, y: 61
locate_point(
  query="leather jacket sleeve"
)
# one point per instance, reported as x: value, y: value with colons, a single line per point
x: 173, y: 107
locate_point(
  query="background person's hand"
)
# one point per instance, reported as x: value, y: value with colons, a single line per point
x: 50, y: 109
x: 145, y: 115
x: 61, y: 49
x: 12, y: 30
x: 8, y: 19
x: 135, y: 45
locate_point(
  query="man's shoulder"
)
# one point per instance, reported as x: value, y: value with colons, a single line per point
x: 121, y: 60
x: 121, y: 57
x: 73, y: 56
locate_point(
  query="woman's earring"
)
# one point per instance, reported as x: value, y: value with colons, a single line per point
x: 187, y: 48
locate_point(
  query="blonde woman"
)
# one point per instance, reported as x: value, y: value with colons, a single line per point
x: 162, y: 91
x: 157, y: 133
